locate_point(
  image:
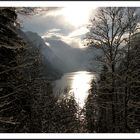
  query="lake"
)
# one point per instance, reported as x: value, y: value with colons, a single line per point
x: 76, y: 84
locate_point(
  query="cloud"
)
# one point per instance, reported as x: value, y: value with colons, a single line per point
x: 54, y: 36
x: 54, y: 30
x: 79, y: 32
x: 54, y: 25
x: 72, y: 42
x: 42, y: 24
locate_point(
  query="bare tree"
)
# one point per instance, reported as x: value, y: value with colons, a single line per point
x: 132, y: 19
x: 108, y: 31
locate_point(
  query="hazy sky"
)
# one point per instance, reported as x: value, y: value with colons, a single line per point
x: 67, y: 23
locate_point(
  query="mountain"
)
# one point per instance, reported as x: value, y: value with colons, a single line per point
x: 61, y: 56
x: 74, y: 58
x: 52, y: 66
x: 49, y: 55
x: 71, y: 57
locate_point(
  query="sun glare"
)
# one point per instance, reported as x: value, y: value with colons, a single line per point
x: 77, y: 16
x: 80, y: 86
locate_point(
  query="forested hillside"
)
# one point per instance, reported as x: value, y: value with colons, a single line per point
x: 26, y: 101
x: 115, y: 31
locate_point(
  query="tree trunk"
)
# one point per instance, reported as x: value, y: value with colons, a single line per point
x: 113, y: 99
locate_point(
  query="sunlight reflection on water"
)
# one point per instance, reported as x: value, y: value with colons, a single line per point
x: 75, y: 83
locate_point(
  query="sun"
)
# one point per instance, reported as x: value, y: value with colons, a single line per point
x: 77, y: 16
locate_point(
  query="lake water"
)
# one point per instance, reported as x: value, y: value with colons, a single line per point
x: 76, y: 84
